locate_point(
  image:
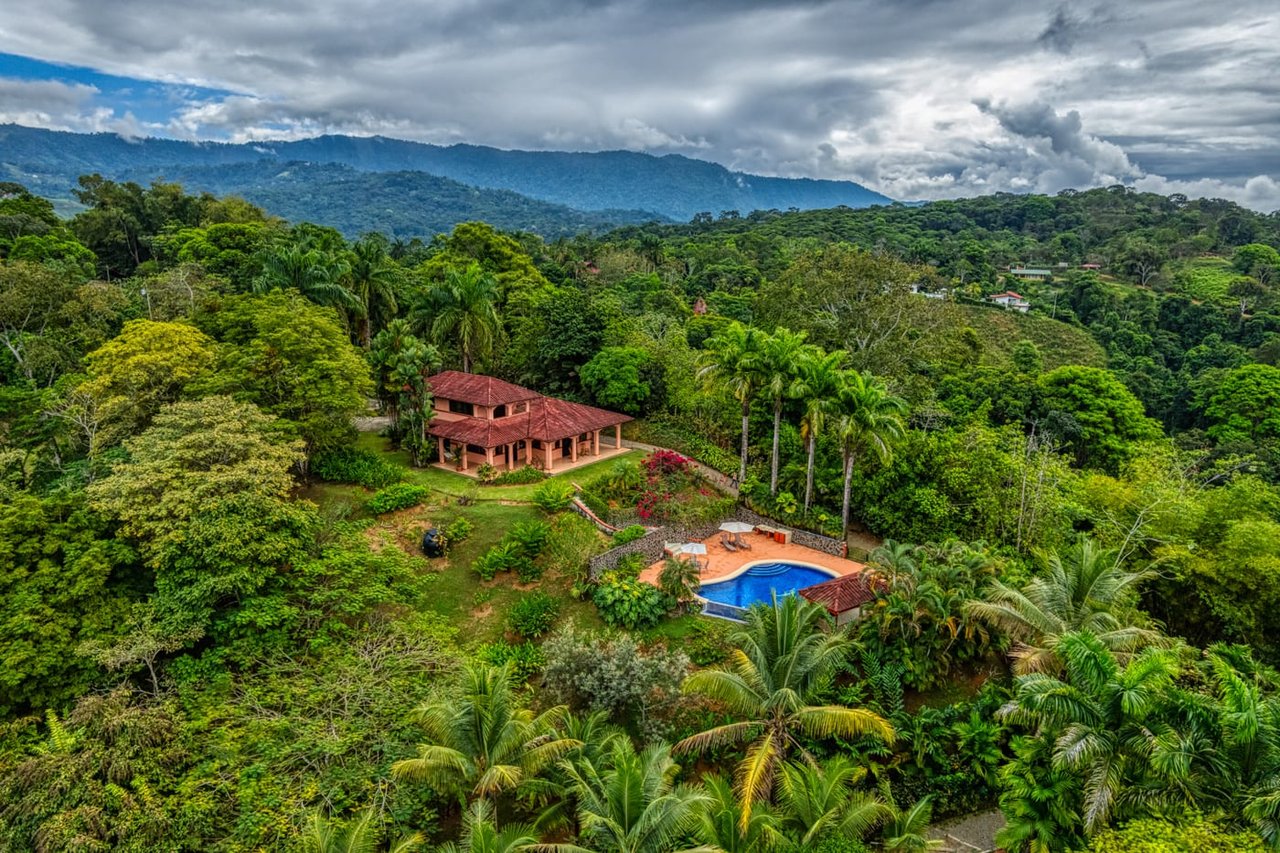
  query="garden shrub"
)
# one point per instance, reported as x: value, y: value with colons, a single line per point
x: 520, y: 477
x: 1194, y: 835
x: 708, y: 644
x: 530, y: 536
x: 500, y: 558
x: 527, y: 571
x: 533, y: 615
x: 592, y: 673
x: 595, y: 503
x: 351, y: 465
x: 630, y: 566
x: 398, y: 496
x: 486, y: 473
x: 525, y: 659
x: 553, y: 496
x: 572, y: 542
x: 629, y: 534
x: 628, y: 603
x: 686, y: 440
x: 457, y: 531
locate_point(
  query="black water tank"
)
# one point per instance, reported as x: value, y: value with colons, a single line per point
x: 433, y: 543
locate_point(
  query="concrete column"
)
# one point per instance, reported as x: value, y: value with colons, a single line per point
x: 595, y: 443
x: 547, y: 447
x: 488, y: 456
x: 440, y: 448
x: 573, y: 449
x: 617, y: 436
x: 511, y: 454
x: 464, y: 456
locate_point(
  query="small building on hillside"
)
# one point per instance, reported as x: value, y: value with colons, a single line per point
x: 1009, y: 299
x: 1091, y: 266
x: 844, y: 597
x: 1030, y: 273
x: 482, y: 420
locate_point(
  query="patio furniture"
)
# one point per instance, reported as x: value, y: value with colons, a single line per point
x: 726, y: 543
x: 737, y: 528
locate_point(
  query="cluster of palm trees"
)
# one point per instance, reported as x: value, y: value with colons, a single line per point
x: 1110, y: 741
x: 782, y: 367
x: 366, y: 286
x: 587, y: 787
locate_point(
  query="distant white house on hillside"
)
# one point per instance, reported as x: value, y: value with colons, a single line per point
x: 1009, y: 299
x: 1030, y: 273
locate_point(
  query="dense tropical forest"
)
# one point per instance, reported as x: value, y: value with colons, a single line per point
x: 218, y: 631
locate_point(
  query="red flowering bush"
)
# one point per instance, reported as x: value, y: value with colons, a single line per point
x: 665, y: 463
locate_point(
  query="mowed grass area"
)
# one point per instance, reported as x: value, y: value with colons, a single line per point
x: 450, y: 483
x: 477, y: 607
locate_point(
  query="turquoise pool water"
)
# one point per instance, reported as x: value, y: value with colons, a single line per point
x: 759, y: 583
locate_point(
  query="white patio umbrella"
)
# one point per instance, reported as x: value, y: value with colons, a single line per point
x: 736, y: 527
x: 693, y: 548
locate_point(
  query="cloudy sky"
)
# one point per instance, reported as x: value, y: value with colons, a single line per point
x: 918, y: 99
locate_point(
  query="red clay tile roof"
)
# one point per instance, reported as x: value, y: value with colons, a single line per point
x: 844, y: 593
x: 547, y: 419
x: 476, y: 389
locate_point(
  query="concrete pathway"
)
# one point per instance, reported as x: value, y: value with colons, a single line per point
x: 975, y: 833
x: 706, y: 471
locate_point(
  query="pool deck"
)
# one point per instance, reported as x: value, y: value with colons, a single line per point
x: 720, y: 563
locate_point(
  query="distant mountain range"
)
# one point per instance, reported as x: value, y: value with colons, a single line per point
x: 417, y: 185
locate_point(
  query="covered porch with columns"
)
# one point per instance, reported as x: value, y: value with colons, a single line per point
x: 554, y: 456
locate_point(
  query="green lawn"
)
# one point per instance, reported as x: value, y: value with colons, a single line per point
x: 450, y: 483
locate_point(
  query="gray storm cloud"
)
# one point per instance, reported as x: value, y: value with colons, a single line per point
x: 917, y: 98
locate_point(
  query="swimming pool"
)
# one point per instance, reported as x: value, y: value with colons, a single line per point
x: 758, y: 582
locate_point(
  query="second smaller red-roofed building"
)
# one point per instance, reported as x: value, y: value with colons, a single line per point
x: 844, y: 597
x: 483, y: 420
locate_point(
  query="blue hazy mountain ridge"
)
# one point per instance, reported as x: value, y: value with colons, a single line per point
x: 401, y: 204
x: 673, y: 186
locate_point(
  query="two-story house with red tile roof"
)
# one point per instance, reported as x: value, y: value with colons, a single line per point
x: 486, y: 420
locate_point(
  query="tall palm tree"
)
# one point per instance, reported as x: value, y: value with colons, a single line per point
x: 817, y: 385
x: 783, y: 352
x: 464, y: 309
x: 483, y: 743
x: 628, y: 802
x: 733, y: 360
x: 596, y: 738
x: 1105, y: 723
x: 870, y: 418
x: 480, y: 834
x: 373, y: 277
x: 818, y: 800
x: 1087, y: 590
x: 313, y: 273
x: 362, y: 835
x: 782, y: 662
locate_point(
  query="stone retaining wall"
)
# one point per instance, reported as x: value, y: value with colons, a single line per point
x: 651, y: 545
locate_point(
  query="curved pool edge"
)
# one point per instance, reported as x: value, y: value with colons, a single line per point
x: 746, y: 567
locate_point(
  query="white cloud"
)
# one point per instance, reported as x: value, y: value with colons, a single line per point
x: 876, y: 91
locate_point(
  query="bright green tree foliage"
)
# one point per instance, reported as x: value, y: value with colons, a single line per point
x: 293, y: 360
x: 194, y: 454
x: 62, y: 576
x: 1104, y: 418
